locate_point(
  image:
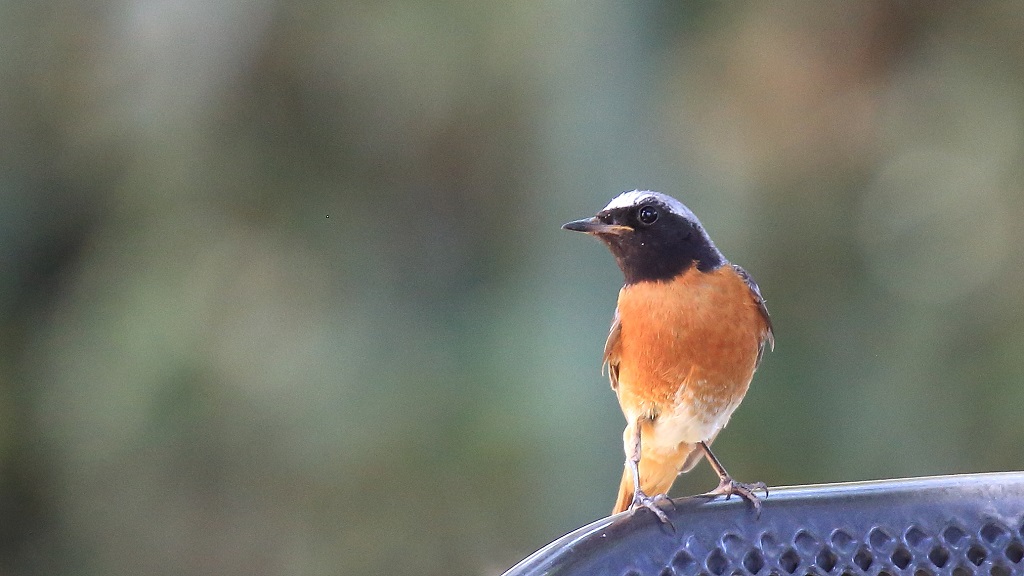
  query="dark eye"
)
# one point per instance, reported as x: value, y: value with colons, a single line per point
x: 647, y: 215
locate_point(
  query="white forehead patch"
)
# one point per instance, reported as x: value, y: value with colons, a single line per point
x: 638, y: 197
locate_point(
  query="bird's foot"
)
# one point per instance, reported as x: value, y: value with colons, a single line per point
x: 641, y: 500
x: 727, y: 487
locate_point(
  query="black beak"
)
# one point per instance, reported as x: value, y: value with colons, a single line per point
x: 594, y: 226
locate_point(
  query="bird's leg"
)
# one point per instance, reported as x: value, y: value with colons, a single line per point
x: 641, y: 500
x: 727, y: 486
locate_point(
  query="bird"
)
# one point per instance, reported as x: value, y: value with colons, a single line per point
x: 688, y: 332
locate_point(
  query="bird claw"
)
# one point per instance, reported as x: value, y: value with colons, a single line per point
x: 727, y: 487
x: 641, y: 500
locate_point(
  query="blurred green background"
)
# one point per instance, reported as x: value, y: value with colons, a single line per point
x: 283, y: 290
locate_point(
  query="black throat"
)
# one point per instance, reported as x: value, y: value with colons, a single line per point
x: 664, y: 251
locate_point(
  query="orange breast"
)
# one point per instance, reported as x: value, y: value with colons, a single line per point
x: 689, y: 342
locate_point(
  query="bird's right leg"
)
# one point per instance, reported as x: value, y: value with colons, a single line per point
x: 640, y: 499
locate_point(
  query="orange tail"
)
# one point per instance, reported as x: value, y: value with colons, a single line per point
x: 625, y: 497
x: 657, y: 473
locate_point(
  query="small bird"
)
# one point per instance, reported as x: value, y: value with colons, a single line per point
x: 688, y: 332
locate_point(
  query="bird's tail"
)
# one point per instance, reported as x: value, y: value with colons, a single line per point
x: 625, y: 497
x: 657, y: 473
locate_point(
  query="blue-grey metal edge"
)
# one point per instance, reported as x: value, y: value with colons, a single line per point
x: 961, y: 524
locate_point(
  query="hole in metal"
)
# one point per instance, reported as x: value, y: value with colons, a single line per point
x: 1015, y: 552
x: 992, y: 532
x: 953, y: 535
x: 962, y: 571
x: 843, y: 541
x: 863, y: 559
x: 826, y: 560
x: 879, y: 538
x: 976, y: 554
x: 789, y: 561
x: 717, y: 563
x: 915, y: 537
x: 682, y: 561
x: 938, y: 556
x: 769, y: 544
x: 805, y: 542
x: 753, y: 561
x: 998, y: 570
x: 923, y: 572
x: 733, y: 544
x: 901, y: 557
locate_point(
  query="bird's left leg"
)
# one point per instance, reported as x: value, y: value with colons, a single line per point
x: 727, y: 486
x: 640, y: 499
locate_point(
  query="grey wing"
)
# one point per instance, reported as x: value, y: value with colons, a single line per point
x: 769, y: 337
x: 612, y: 347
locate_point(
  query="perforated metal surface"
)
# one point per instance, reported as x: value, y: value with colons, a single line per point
x: 957, y: 525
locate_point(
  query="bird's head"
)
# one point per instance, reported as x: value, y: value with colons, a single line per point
x: 652, y: 236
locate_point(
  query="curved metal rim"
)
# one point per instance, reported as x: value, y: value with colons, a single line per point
x: 587, y: 539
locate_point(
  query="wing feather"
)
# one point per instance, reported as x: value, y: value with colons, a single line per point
x: 613, y: 350
x: 769, y: 335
